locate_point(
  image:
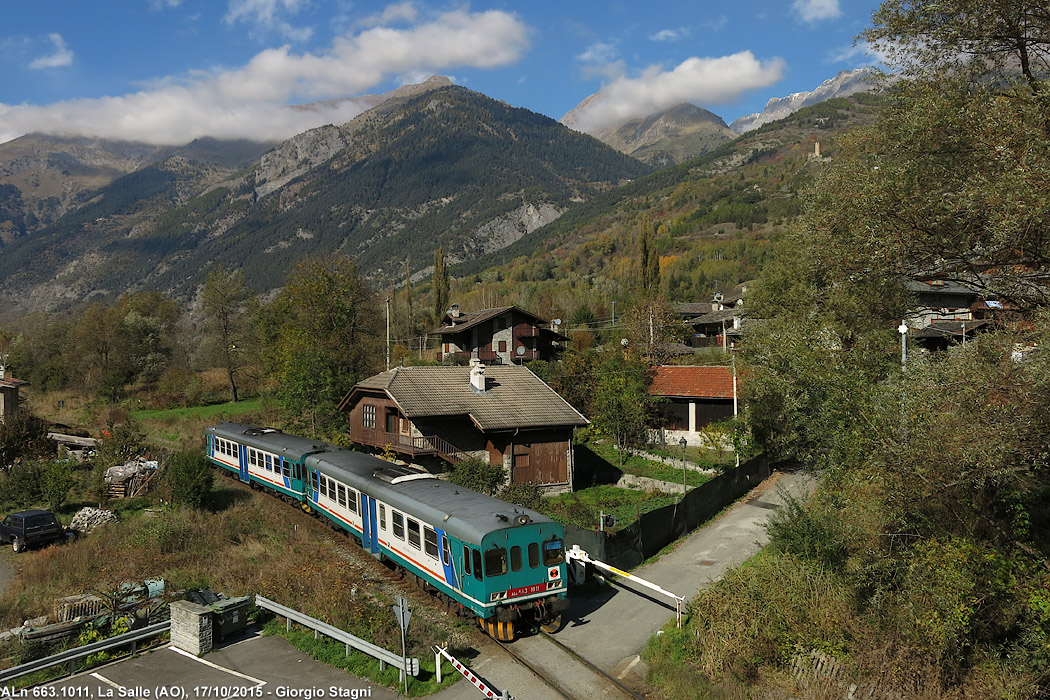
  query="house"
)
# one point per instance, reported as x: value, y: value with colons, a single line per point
x: 720, y: 325
x: 9, y: 387
x: 693, y: 398
x: 504, y: 414
x: 497, y: 336
x: 948, y: 312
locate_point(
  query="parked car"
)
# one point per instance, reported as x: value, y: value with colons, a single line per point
x: 30, y: 528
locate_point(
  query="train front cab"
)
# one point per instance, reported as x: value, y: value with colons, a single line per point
x: 519, y: 574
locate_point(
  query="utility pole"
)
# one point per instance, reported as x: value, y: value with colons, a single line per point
x: 388, y: 332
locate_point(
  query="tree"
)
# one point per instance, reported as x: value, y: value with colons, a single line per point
x: 622, y: 403
x: 227, y: 307
x: 648, y: 258
x: 319, y: 337
x: 926, y: 37
x: 190, y: 476
x: 23, y: 437
x: 440, y: 283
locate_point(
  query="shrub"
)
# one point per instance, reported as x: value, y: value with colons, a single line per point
x: 190, y: 476
x: 478, y: 475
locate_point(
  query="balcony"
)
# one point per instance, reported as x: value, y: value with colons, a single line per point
x: 415, y: 446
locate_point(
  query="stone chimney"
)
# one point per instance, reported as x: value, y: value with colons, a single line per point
x: 454, y: 311
x: 477, y: 376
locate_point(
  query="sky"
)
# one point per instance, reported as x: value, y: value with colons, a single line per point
x: 169, y: 71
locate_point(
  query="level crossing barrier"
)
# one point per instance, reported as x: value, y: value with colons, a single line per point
x: 466, y: 673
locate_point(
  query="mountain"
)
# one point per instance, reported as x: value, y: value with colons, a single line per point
x: 444, y: 166
x: 42, y: 177
x: 674, y: 135
x: 844, y: 84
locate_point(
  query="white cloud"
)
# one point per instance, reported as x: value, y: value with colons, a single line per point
x: 268, y: 16
x: 861, y: 54
x: 60, y: 57
x: 391, y: 14
x: 697, y: 80
x: 599, y: 52
x: 250, y: 101
x: 666, y: 35
x: 816, y: 10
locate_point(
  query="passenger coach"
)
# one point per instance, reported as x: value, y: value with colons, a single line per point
x: 501, y: 562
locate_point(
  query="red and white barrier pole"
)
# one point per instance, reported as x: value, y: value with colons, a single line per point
x: 466, y: 673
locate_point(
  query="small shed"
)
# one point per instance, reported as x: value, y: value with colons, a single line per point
x: 9, y: 398
x: 694, y: 396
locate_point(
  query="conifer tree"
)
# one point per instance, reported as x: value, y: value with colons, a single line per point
x: 442, y: 290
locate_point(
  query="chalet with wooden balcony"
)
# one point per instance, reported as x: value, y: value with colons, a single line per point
x: 502, y: 336
x: 504, y: 414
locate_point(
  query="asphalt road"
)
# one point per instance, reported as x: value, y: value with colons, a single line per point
x: 611, y: 630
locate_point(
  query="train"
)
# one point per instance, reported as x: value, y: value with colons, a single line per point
x: 495, y: 561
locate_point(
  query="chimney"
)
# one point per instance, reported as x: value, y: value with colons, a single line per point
x: 477, y: 376
x: 454, y: 311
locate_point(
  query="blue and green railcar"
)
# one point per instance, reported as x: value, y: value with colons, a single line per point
x: 491, y: 559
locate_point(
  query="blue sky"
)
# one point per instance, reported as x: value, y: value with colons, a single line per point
x: 168, y: 71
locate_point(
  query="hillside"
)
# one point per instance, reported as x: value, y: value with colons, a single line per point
x: 672, y: 136
x: 43, y: 177
x: 713, y: 219
x: 446, y: 167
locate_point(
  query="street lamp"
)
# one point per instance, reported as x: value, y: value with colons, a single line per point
x: 683, y: 443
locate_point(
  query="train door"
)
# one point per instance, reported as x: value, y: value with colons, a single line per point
x: 242, y: 462
x: 369, y: 526
x: 445, y: 554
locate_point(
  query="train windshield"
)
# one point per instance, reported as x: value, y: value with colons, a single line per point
x: 495, y: 561
x: 553, y: 552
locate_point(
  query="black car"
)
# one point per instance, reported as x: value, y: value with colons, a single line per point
x: 30, y: 528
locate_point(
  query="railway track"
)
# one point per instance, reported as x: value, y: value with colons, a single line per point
x: 564, y: 671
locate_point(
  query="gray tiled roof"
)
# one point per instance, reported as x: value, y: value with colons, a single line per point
x: 514, y: 397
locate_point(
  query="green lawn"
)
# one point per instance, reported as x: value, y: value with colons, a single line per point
x: 581, y: 508
x: 218, y: 410
x: 639, y: 466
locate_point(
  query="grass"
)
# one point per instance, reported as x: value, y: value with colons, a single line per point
x: 357, y: 663
x: 581, y: 508
x: 640, y: 466
x: 218, y: 410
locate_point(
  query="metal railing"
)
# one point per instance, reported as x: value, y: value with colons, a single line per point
x: 384, y: 656
x: 71, y: 656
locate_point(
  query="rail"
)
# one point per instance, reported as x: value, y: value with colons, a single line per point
x: 411, y: 666
x: 71, y: 656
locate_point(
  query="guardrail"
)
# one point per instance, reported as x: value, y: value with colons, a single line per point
x: 411, y: 666
x: 71, y: 656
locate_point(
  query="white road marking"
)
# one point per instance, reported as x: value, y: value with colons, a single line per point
x: 217, y: 666
x: 629, y: 667
x: 107, y: 681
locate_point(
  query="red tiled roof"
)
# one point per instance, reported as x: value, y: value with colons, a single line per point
x: 693, y: 382
x: 12, y: 383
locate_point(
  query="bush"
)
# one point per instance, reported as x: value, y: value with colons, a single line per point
x: 526, y: 495
x: 478, y: 475
x: 190, y: 476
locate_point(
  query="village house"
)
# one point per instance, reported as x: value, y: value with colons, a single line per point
x: 9, y: 399
x: 502, y: 336
x: 503, y: 414
x: 719, y: 324
x: 693, y: 397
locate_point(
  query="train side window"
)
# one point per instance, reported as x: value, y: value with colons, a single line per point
x: 313, y: 481
x: 286, y: 467
x: 342, y: 495
x: 430, y: 542
x: 466, y: 560
x: 446, y: 552
x: 515, y: 558
x: 399, y: 525
x: 351, y: 499
x: 477, y: 564
x: 382, y: 517
x: 534, y: 555
x: 269, y: 463
x: 495, y: 562
x: 413, y: 534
